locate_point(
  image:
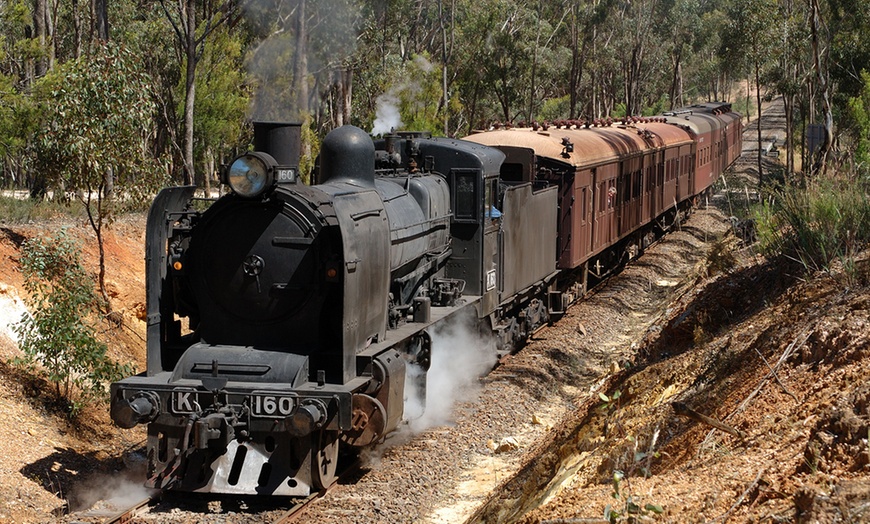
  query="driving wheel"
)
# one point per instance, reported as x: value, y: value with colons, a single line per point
x: 324, y: 459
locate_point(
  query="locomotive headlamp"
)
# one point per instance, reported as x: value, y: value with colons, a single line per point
x: 251, y: 174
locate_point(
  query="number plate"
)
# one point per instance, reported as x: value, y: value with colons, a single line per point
x: 185, y: 401
x: 272, y: 406
x: 267, y: 405
x: 490, y: 279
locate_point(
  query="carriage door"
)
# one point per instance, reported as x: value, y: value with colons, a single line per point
x: 491, y: 267
x: 605, y: 206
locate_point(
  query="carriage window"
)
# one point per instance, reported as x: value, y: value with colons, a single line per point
x: 490, y: 202
x: 465, y: 196
x: 602, y: 197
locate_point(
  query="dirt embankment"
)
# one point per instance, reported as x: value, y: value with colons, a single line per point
x: 47, y: 462
x: 783, y: 363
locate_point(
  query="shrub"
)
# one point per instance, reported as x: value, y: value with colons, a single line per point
x: 56, y: 334
x: 826, y: 221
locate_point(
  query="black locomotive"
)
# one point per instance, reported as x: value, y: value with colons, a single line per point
x: 303, y: 305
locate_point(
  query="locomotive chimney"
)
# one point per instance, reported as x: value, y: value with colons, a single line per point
x: 281, y: 140
x: 347, y: 155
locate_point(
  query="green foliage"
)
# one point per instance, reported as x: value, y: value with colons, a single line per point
x: 57, y: 334
x: 555, y: 108
x: 96, y: 116
x: 610, y: 401
x: 223, y: 97
x: 658, y: 107
x: 745, y: 104
x: 850, y: 47
x: 627, y: 506
x: 619, y: 110
x: 858, y: 115
x: 306, y: 163
x: 828, y: 220
x: 16, y: 118
x: 220, y: 108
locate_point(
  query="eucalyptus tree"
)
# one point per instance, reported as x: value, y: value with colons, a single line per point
x: 820, y: 43
x: 499, y: 34
x: 96, y: 115
x: 635, y: 44
x: 16, y: 123
x: 789, y: 73
x: 221, y: 108
x: 192, y: 24
x: 585, y: 22
x: 846, y: 33
x: 300, y: 65
x: 858, y: 118
x: 677, y: 24
x: 749, y: 38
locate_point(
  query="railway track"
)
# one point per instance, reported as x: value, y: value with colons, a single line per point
x: 113, y: 515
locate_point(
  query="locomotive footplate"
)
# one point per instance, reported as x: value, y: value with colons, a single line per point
x: 245, y: 438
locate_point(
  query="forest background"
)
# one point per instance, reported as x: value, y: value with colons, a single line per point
x: 138, y: 94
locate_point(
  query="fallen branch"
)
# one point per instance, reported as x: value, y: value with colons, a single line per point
x: 739, y: 501
x: 775, y: 376
x: 772, y: 373
x: 686, y: 411
x: 799, y: 341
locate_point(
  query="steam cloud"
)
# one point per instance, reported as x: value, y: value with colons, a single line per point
x: 387, y: 117
x: 111, y: 491
x: 459, y: 357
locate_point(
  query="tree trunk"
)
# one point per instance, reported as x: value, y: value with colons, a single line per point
x: 824, y: 89
x: 445, y: 97
x: 677, y: 80
x: 758, y: 99
x: 531, y: 111
x: 39, y: 34
x: 189, y: 89
x: 300, y: 62
x: 96, y: 221
x: 573, y: 81
x: 748, y: 98
x: 632, y: 102
x: 346, y: 92
x: 788, y: 104
x: 209, y: 172
x: 77, y: 29
x: 101, y: 19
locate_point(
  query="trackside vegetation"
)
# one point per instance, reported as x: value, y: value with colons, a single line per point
x: 819, y: 223
x: 57, y: 336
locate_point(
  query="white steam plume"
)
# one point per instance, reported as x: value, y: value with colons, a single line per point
x: 114, y: 492
x: 387, y: 117
x: 459, y: 357
x: 410, y: 91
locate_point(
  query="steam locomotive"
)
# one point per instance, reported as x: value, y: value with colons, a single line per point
x: 304, y: 305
